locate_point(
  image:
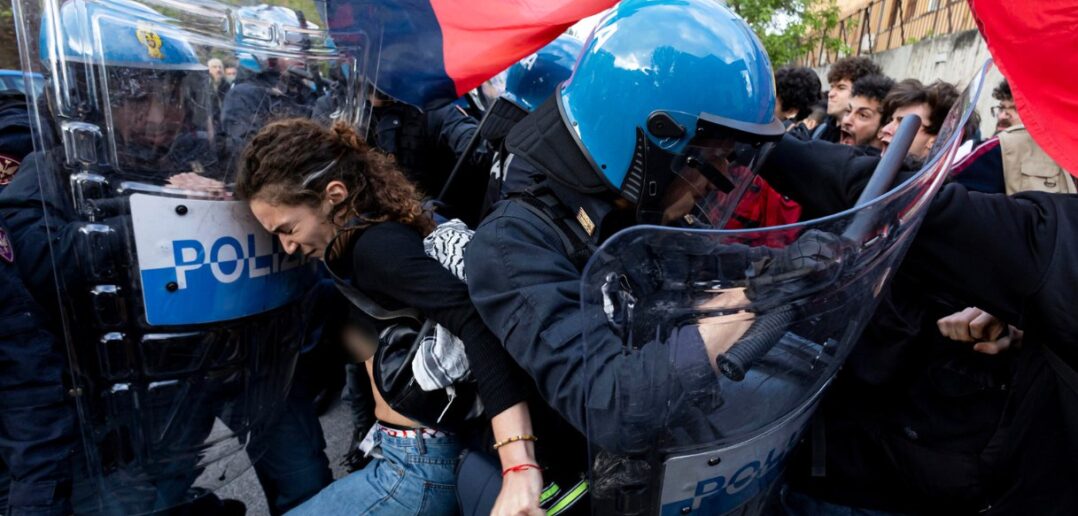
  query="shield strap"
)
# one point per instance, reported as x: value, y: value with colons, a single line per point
x: 544, y: 204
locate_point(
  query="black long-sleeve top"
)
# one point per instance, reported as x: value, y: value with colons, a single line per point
x: 390, y: 265
x: 37, y: 419
x: 1014, y: 256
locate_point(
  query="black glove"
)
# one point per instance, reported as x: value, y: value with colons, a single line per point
x: 777, y: 283
x: 807, y: 265
x: 355, y: 459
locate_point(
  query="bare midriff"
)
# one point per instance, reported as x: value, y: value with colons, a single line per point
x: 382, y: 410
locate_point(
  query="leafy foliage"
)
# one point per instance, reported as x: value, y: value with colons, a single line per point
x: 791, y: 28
x: 9, y: 52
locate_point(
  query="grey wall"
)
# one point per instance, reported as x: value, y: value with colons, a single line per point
x: 954, y: 58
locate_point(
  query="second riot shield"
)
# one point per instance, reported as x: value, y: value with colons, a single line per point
x: 709, y: 350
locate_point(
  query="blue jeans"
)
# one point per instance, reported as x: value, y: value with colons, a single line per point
x: 408, y: 476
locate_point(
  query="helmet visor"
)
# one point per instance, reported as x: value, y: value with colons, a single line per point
x: 149, y: 109
x: 704, y: 181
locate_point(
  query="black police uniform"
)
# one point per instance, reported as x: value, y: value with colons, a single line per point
x: 252, y: 103
x: 15, y: 137
x: 37, y: 421
x: 529, y: 295
x: 428, y: 145
x: 500, y: 118
x: 1013, y: 257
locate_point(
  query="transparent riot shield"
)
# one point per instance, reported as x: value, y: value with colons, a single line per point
x: 179, y: 313
x: 709, y: 350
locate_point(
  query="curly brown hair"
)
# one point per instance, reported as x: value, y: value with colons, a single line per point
x: 852, y: 68
x: 797, y: 87
x: 290, y: 162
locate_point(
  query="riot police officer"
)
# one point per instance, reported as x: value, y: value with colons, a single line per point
x: 159, y: 359
x: 585, y: 146
x: 691, y: 357
x: 271, y: 86
x: 591, y: 169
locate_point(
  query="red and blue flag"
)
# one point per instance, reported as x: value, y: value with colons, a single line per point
x: 431, y: 52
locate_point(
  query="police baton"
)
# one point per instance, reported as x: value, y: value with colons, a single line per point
x: 767, y: 329
x: 502, y: 111
x: 460, y: 160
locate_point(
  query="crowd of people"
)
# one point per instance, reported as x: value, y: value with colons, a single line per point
x: 919, y: 419
x: 452, y: 245
x: 862, y: 108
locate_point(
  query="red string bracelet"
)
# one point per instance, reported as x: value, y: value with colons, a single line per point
x: 521, y: 467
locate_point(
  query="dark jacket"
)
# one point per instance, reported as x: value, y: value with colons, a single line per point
x: 982, y: 169
x: 15, y: 138
x: 37, y: 421
x: 527, y: 289
x: 251, y: 104
x: 37, y: 225
x: 1013, y: 257
x: 428, y: 145
x: 829, y: 130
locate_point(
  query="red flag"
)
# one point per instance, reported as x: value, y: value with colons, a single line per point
x: 483, y: 37
x: 1035, y: 45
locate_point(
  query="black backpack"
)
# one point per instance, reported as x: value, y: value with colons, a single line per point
x: 400, y: 336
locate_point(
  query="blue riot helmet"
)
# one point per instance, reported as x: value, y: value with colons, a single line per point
x: 264, y: 25
x: 127, y: 45
x: 328, y: 107
x: 533, y: 79
x: 670, y: 102
x: 248, y: 63
x: 155, y: 85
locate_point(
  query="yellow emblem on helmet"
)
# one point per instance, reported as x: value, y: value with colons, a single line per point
x: 151, y: 41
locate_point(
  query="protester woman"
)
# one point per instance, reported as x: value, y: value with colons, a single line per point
x: 327, y: 195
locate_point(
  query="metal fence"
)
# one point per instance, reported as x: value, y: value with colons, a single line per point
x: 883, y: 25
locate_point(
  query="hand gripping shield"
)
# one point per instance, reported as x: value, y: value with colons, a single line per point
x: 178, y: 311
x: 709, y: 350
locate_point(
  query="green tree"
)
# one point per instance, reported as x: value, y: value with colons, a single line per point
x: 790, y: 29
x: 9, y: 51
